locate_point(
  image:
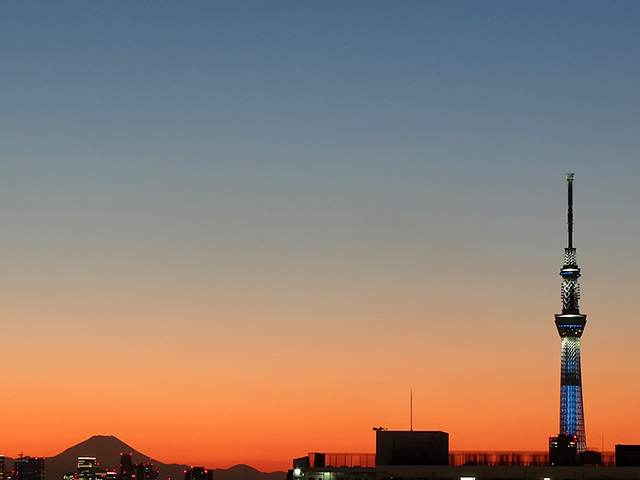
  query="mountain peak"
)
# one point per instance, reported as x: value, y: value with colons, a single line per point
x: 107, y: 450
x: 108, y: 446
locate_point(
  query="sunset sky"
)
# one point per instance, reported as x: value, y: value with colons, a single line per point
x: 243, y: 231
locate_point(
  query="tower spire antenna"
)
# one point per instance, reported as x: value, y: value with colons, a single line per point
x: 570, y: 209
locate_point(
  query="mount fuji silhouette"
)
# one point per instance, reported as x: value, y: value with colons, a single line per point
x: 107, y: 450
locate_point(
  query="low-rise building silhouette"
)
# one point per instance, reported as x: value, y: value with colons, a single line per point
x: 198, y: 473
x: 28, y: 468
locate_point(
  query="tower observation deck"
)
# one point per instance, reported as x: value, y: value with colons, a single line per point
x: 570, y: 324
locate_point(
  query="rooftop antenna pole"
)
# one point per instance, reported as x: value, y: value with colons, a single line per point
x: 411, y: 408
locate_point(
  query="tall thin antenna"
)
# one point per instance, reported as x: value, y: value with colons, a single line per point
x: 570, y: 208
x: 411, y: 408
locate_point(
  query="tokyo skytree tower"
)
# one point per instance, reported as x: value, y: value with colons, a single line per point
x: 570, y: 324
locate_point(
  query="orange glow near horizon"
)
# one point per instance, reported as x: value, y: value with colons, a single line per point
x: 280, y: 394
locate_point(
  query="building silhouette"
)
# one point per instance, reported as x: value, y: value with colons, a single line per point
x: 138, y: 471
x: 628, y: 455
x: 563, y: 450
x: 127, y: 471
x: 198, y: 473
x: 145, y: 471
x: 87, y: 468
x: 28, y: 468
x: 411, y: 448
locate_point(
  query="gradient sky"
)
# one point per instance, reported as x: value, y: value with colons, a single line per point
x: 243, y: 231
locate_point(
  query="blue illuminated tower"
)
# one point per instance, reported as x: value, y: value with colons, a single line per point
x: 570, y: 324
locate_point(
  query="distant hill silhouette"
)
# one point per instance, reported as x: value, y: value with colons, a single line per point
x: 242, y: 472
x: 107, y: 450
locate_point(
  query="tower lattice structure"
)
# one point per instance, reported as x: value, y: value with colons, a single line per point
x: 570, y: 324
